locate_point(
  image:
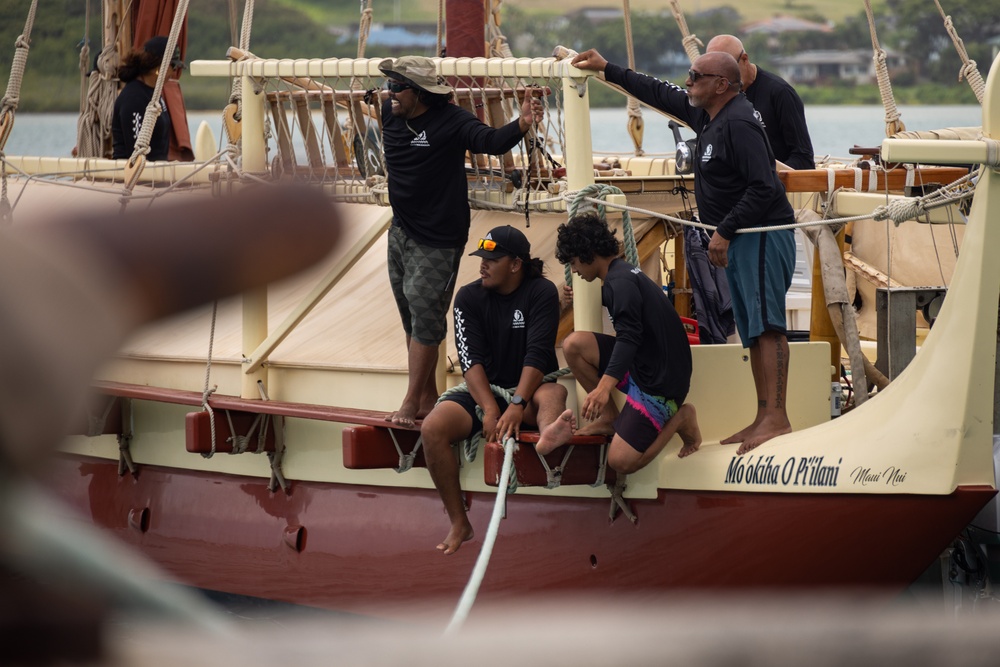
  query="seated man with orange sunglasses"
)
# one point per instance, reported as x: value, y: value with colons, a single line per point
x: 505, y: 333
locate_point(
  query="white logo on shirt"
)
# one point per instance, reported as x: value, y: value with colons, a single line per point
x: 760, y: 119
x: 420, y: 139
x: 707, y: 155
x: 518, y: 322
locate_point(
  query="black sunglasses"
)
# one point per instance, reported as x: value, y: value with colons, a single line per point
x: 397, y: 86
x: 694, y: 76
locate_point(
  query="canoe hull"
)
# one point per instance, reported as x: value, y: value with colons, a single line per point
x: 370, y: 550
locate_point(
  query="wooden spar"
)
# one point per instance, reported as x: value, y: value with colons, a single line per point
x: 817, y: 180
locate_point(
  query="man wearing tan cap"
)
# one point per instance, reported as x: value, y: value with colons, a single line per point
x: 425, y: 139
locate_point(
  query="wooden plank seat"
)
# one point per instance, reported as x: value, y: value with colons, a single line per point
x: 583, y: 460
x: 369, y: 445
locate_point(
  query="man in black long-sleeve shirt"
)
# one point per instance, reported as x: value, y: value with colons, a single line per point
x: 648, y: 358
x: 736, y: 188
x: 505, y: 333
x: 425, y: 138
x: 779, y: 106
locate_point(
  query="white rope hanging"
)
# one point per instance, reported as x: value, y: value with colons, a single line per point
x: 969, y: 68
x: 893, y: 124
x: 691, y: 42
x: 10, y: 100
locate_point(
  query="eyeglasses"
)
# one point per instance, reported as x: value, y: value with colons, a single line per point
x: 694, y: 76
x: 489, y: 245
x: 397, y: 86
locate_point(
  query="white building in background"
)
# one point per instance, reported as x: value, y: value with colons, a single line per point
x: 817, y: 67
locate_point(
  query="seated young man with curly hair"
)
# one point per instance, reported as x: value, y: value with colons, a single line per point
x: 648, y: 358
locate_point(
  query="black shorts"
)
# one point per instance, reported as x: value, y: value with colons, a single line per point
x: 466, y: 400
x: 644, y: 415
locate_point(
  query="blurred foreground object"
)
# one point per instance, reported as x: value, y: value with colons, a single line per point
x: 71, y: 290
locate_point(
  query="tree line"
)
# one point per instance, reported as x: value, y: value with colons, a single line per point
x: 912, y: 27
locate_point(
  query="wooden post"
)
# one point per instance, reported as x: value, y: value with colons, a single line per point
x: 254, y: 301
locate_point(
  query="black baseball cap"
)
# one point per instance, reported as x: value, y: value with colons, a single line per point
x: 503, y: 242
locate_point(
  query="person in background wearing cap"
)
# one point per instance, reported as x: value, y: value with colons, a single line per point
x: 648, y: 358
x: 139, y: 72
x: 425, y: 139
x: 505, y: 333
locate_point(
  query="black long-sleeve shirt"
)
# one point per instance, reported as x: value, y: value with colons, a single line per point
x: 506, y: 332
x: 130, y: 107
x: 650, y: 341
x: 425, y: 160
x: 735, y: 182
x: 784, y: 118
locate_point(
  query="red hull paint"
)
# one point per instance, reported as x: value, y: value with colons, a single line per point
x: 371, y: 549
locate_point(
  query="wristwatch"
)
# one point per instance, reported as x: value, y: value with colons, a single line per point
x: 517, y: 399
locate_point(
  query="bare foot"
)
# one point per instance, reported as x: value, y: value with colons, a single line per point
x: 768, y: 428
x: 599, y: 427
x: 556, y: 434
x: 405, y: 416
x: 688, y: 430
x: 456, y: 536
x: 742, y: 435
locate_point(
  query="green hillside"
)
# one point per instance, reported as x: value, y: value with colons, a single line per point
x: 304, y: 28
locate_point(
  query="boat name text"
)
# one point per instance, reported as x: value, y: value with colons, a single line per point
x: 793, y: 471
x: 891, y: 476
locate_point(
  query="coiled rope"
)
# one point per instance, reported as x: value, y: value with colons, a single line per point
x: 690, y: 42
x: 11, y: 98
x: 893, y: 124
x: 969, y: 69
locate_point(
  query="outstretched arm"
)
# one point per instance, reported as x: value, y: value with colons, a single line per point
x: 591, y: 60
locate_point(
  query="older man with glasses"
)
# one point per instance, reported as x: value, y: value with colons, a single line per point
x: 425, y: 138
x: 737, y: 189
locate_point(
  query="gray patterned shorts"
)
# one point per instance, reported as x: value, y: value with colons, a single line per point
x: 423, y: 281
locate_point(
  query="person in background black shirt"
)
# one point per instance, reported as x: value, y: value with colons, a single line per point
x: 425, y: 138
x: 779, y: 107
x: 648, y: 358
x: 505, y: 333
x: 736, y: 188
x: 139, y: 71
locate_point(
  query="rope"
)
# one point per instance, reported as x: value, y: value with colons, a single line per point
x: 690, y: 42
x: 84, y: 62
x: 208, y: 373
x: 93, y: 130
x: 969, y: 69
x: 635, y: 125
x: 498, y: 45
x: 10, y: 100
x: 479, y: 570
x: 893, y: 124
x: 440, y: 28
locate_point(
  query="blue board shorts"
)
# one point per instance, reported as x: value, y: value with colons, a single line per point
x: 760, y: 272
x: 644, y: 415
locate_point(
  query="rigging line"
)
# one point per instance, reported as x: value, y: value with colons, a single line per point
x: 479, y: 570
